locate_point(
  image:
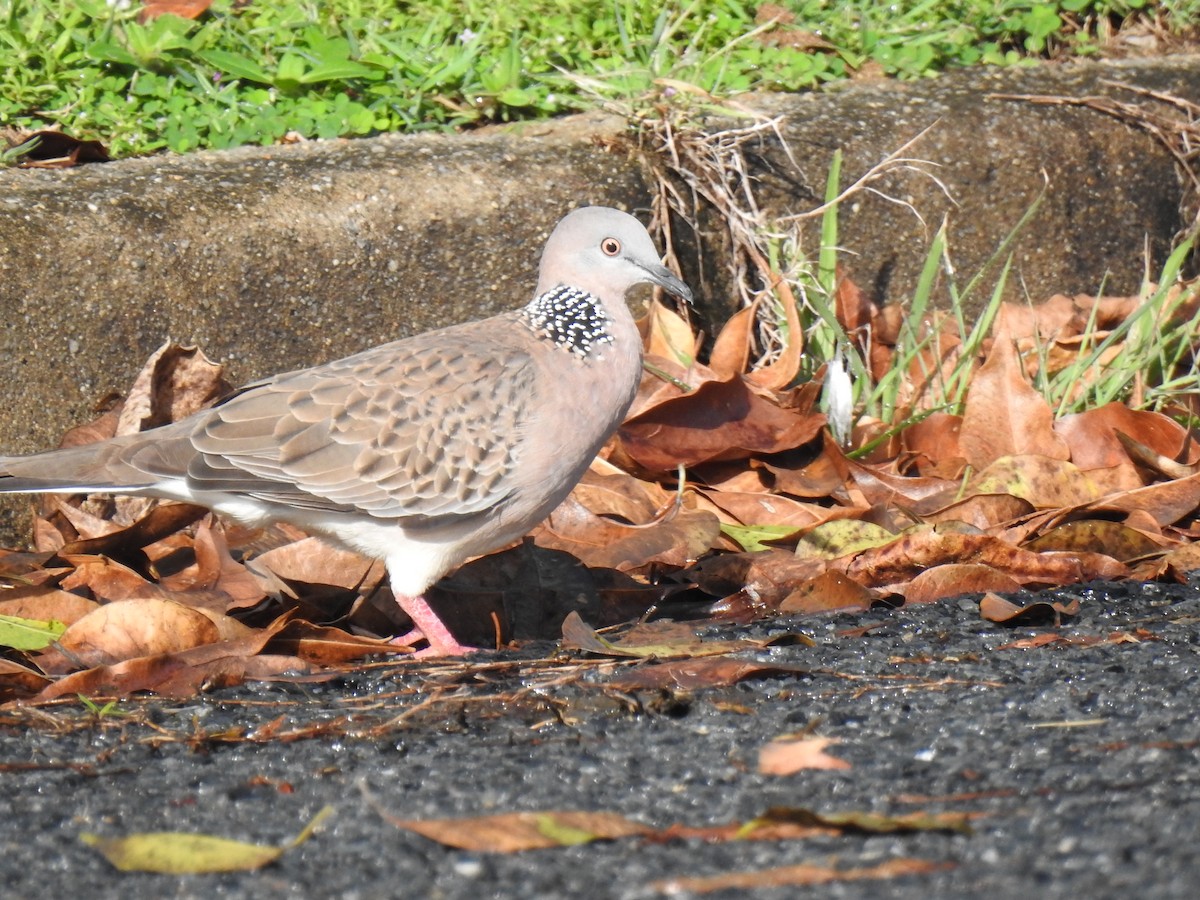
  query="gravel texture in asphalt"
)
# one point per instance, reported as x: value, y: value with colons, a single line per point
x: 1076, y: 760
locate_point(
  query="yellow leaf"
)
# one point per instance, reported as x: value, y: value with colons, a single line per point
x: 1044, y: 482
x: 180, y: 853
x: 752, y: 537
x: 841, y: 537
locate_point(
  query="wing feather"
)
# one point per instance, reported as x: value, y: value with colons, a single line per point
x: 424, y: 427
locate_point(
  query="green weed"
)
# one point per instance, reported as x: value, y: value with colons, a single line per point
x: 251, y: 73
x: 1148, y: 361
x: 109, y: 710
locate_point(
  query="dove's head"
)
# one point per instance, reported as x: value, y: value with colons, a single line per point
x: 604, y: 252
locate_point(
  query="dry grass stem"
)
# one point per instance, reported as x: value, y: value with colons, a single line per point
x: 697, y: 170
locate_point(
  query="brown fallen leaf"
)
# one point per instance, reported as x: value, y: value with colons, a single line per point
x: 125, y: 543
x: 881, y: 487
x: 215, y: 571
x: 520, y: 831
x: 1093, y: 436
x: 45, y: 603
x: 730, y: 354
x: 66, y: 523
x: 658, y: 640
x: 995, y: 608
x: 178, y: 676
x: 619, y: 495
x: 785, y: 823
x: 1005, y: 416
x: 697, y: 674
x: 781, y: 372
x: 324, y: 645
x: 185, y: 9
x: 795, y: 876
x: 18, y: 681
x: 1167, y: 502
x: 952, y: 579
x: 853, y: 308
x: 1092, y: 566
x: 784, y: 756
x: 1050, y: 320
x: 933, y: 444
x: 980, y: 512
x: 1029, y: 643
x: 815, y: 470
x: 1108, y: 312
x: 676, y: 539
x: 19, y: 565
x: 175, y: 382
x: 827, y: 591
x: 1177, y: 563
x: 49, y: 149
x: 127, y: 629
x: 752, y: 509
x: 922, y: 548
x: 930, y: 366
x: 1078, y: 640
x: 107, y: 579
x: 720, y: 420
x: 770, y: 575
x: 181, y: 674
x: 313, y: 561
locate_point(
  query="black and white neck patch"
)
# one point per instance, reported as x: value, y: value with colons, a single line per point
x: 573, y: 319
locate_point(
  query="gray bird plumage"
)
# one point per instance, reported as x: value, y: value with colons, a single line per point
x: 422, y: 452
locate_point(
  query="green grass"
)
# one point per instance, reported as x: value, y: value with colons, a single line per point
x: 1157, y: 363
x: 252, y: 74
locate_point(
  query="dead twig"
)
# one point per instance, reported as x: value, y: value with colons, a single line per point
x: 694, y: 168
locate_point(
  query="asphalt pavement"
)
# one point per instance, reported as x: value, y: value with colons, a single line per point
x: 1075, y: 762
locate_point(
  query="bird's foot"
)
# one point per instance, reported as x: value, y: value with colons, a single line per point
x: 429, y: 628
x: 442, y: 648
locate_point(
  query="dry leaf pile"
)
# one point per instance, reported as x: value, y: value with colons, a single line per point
x: 772, y: 517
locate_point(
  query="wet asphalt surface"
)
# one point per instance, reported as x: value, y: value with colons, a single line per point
x: 1078, y: 763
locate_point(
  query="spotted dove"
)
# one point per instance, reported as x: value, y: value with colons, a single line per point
x: 422, y: 452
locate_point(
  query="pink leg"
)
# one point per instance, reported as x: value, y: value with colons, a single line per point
x: 427, y: 626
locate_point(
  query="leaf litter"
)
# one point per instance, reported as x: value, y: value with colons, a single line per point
x: 770, y: 518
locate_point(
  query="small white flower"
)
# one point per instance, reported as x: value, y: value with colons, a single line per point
x: 838, y: 398
x: 467, y: 35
